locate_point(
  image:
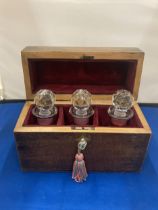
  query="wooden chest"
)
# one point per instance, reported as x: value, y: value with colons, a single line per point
x: 101, y: 71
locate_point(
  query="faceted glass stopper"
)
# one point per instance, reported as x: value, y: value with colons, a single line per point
x: 81, y: 101
x: 44, y: 101
x: 122, y: 100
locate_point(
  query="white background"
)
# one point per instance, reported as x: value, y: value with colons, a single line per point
x: 111, y: 23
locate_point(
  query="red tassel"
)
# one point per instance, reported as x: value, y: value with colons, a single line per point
x: 79, y: 173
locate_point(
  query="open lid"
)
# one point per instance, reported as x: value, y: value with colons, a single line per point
x: 101, y: 71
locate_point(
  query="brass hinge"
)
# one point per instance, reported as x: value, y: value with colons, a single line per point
x: 87, y: 57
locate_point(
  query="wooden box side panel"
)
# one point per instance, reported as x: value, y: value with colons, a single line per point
x: 104, y: 152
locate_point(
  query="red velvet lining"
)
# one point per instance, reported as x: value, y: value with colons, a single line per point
x: 100, y: 118
x: 67, y: 75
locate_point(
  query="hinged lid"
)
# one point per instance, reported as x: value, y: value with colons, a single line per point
x: 101, y: 71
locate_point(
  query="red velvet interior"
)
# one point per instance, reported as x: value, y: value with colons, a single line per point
x: 67, y: 75
x: 100, y: 118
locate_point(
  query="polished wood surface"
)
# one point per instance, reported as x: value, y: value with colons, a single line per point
x: 53, y: 148
x: 36, y: 49
x: 105, y: 152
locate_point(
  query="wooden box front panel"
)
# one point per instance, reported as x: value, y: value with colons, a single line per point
x: 104, y: 152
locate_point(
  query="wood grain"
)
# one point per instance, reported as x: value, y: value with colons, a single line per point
x: 37, y: 49
x: 109, y: 149
x: 105, y: 152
